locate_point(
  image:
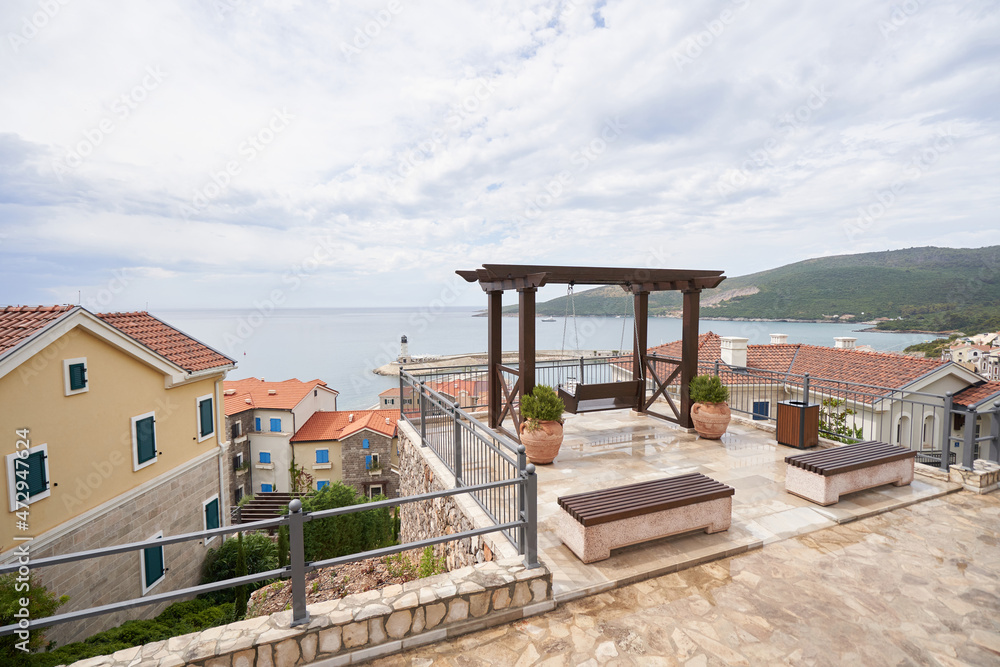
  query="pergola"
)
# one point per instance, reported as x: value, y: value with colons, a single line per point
x: 526, y: 279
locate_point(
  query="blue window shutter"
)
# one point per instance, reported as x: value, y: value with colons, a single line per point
x: 256, y: 424
x: 77, y: 376
x: 322, y: 456
x: 212, y: 515
x: 37, y: 482
x: 265, y: 457
x: 368, y: 462
x: 364, y: 444
x: 322, y: 484
x: 275, y: 425
x: 265, y: 488
x: 145, y: 440
x: 760, y: 410
x: 207, y: 422
x: 153, y: 558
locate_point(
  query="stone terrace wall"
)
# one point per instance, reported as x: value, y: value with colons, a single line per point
x: 359, y: 627
x: 421, y: 472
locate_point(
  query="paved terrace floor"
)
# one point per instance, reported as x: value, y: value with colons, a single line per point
x: 613, y: 448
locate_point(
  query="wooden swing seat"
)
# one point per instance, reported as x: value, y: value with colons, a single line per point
x: 602, y: 396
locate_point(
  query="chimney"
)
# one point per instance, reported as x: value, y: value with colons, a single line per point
x: 779, y: 339
x: 386, y: 420
x: 350, y: 418
x: 248, y: 401
x: 734, y: 350
x: 272, y: 392
x: 229, y: 392
x: 845, y: 342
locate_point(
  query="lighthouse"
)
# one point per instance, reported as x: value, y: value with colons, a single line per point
x: 404, y: 351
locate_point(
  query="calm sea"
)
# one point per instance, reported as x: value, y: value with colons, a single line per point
x: 342, y: 346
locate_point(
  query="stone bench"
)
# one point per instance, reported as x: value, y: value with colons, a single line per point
x: 593, y: 523
x: 824, y: 476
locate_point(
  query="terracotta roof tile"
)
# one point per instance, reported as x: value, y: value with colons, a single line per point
x: 18, y: 322
x: 167, y: 341
x: 973, y: 396
x: 287, y: 394
x: 340, y: 424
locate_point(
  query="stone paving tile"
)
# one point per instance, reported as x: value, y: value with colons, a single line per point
x: 915, y: 586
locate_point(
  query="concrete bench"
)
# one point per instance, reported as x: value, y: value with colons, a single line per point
x: 593, y: 523
x: 824, y: 476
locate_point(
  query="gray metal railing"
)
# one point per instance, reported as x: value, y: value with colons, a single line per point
x: 295, y: 520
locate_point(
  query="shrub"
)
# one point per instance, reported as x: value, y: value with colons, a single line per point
x: 429, y: 565
x: 346, y: 534
x: 542, y: 404
x: 708, y: 389
x: 41, y: 603
x: 222, y: 563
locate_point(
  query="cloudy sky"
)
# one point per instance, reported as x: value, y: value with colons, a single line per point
x: 221, y: 153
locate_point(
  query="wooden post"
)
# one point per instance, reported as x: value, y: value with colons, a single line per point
x: 641, y: 311
x: 494, y: 353
x: 689, y: 352
x: 526, y: 338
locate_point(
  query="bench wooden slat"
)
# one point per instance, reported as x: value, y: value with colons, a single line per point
x: 623, y: 502
x: 850, y: 457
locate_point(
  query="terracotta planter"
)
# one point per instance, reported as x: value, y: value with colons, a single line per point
x: 710, y: 419
x: 542, y: 444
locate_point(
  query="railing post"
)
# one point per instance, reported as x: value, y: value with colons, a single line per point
x: 802, y: 415
x: 581, y: 380
x: 969, y: 440
x: 297, y: 557
x: 458, y: 447
x: 531, y: 517
x: 402, y: 414
x: 946, y: 432
x: 522, y: 462
x: 423, y: 416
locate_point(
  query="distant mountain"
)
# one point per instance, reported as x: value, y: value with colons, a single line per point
x: 932, y: 289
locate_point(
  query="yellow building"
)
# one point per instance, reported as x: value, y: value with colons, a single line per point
x: 111, y: 430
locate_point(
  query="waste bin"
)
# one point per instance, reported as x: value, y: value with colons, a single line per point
x: 797, y: 424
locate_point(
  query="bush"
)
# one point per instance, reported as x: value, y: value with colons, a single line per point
x: 347, y: 534
x: 221, y: 564
x: 41, y: 603
x: 708, y: 389
x: 429, y: 565
x: 542, y: 404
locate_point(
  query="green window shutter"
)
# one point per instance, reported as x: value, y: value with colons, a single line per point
x: 145, y: 440
x: 37, y: 481
x: 77, y: 377
x: 153, y: 558
x: 207, y: 423
x: 212, y: 514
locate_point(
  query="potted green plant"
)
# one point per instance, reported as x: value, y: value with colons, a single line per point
x: 541, y: 424
x: 709, y: 412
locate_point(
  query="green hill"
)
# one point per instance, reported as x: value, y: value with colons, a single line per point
x: 932, y: 289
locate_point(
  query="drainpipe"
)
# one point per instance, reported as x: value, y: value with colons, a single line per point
x: 223, y: 490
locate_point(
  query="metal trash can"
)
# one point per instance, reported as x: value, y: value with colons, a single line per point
x: 797, y: 424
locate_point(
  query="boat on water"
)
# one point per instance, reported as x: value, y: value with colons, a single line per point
x: 548, y: 319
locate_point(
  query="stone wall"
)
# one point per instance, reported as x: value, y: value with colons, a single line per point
x: 173, y: 505
x: 359, y: 627
x: 983, y: 478
x: 353, y: 462
x: 421, y: 472
x: 239, y: 445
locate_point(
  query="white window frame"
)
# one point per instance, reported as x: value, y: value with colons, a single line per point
x: 86, y: 370
x: 136, y: 466
x: 142, y: 564
x: 204, y: 519
x: 376, y: 460
x: 381, y: 490
x: 197, y: 409
x: 240, y: 464
x: 12, y: 478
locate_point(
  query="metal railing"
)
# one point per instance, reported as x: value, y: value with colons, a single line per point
x: 476, y: 456
x: 522, y: 523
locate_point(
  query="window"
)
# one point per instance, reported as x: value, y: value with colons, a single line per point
x: 322, y: 484
x: 374, y: 490
x: 75, y: 376
x: 238, y: 461
x: 275, y: 425
x: 210, y: 509
x: 315, y: 393
x: 760, y: 410
x: 206, y: 419
x: 152, y: 565
x: 364, y: 444
x: 256, y: 424
x: 237, y: 430
x: 371, y: 462
x: 28, y: 476
x: 143, y: 440
x: 265, y: 457
x: 266, y: 488
x: 322, y: 456
x: 238, y: 495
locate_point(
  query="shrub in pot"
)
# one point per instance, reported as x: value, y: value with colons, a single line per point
x: 541, y: 424
x: 709, y: 411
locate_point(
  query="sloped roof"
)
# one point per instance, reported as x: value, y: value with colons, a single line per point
x: 847, y: 365
x: 340, y: 424
x: 287, y: 394
x: 973, y: 396
x: 19, y: 322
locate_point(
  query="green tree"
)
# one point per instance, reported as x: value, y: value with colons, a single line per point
x: 242, y: 596
x: 346, y: 534
x: 833, y: 421
x: 41, y: 603
x: 259, y: 553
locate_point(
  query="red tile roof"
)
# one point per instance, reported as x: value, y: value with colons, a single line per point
x: 873, y: 368
x: 973, y: 396
x: 287, y: 394
x: 339, y: 425
x: 19, y: 322
x: 167, y: 341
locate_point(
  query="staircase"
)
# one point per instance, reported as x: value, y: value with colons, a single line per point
x: 263, y: 506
